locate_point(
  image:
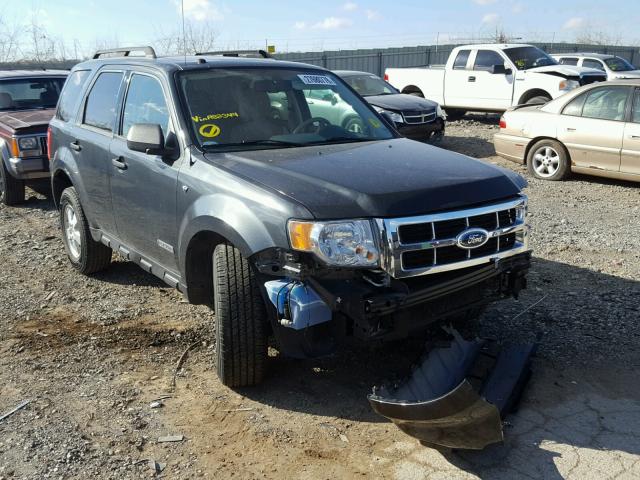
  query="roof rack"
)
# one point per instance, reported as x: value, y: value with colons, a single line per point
x: 238, y: 53
x: 149, y: 52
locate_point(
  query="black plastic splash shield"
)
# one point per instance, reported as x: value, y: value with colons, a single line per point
x: 457, y: 396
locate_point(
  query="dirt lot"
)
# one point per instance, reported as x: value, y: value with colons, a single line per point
x: 92, y: 354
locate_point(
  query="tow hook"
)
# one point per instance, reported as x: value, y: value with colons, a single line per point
x: 458, y: 396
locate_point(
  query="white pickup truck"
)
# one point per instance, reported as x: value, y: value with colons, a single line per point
x: 492, y: 78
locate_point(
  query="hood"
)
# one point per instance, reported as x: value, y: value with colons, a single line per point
x: 21, y: 119
x: 391, y: 178
x: 401, y: 102
x: 566, y: 70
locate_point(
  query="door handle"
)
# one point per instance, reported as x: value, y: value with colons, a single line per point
x: 569, y: 129
x: 472, y: 79
x: 634, y: 137
x: 75, y: 146
x: 119, y: 163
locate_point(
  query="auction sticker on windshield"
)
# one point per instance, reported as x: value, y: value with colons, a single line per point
x: 209, y: 130
x: 316, y: 80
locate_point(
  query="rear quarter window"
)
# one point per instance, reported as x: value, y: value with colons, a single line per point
x: 460, y: 63
x: 71, y: 94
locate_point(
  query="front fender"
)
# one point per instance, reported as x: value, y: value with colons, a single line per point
x: 234, y: 220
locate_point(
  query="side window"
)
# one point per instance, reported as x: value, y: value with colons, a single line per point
x: 71, y: 94
x: 606, y: 103
x: 574, y: 107
x: 635, y: 113
x: 486, y: 59
x: 100, y: 110
x: 568, y: 61
x: 460, y: 63
x: 145, y: 103
x: 589, y: 63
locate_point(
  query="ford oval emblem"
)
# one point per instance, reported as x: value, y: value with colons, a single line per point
x: 472, y: 238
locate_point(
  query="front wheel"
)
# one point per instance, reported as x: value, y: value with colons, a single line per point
x: 241, y: 319
x: 85, y: 254
x: 548, y: 160
x: 11, y: 189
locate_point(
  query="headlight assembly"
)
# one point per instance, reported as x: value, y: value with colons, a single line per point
x: 566, y: 85
x: 396, y: 117
x: 28, y: 143
x: 347, y: 243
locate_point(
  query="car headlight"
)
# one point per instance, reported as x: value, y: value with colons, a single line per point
x: 28, y: 143
x: 348, y: 243
x: 396, y: 117
x: 439, y: 112
x: 566, y: 85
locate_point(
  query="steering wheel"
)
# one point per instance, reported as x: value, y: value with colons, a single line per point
x: 322, y: 123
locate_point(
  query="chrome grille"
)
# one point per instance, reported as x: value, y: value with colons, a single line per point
x: 418, y: 117
x: 415, y: 246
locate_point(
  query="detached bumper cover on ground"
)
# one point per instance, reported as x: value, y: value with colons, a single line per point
x: 457, y: 397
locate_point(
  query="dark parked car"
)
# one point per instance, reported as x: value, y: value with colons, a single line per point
x: 414, y: 117
x: 27, y: 103
x: 287, y: 224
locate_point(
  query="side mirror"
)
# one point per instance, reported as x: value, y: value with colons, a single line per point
x: 146, y: 138
x: 500, y: 70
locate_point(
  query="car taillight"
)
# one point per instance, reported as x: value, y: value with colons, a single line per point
x: 49, y: 143
x: 386, y: 77
x: 503, y: 123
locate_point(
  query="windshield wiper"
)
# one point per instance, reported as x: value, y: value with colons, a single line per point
x: 268, y: 142
x: 342, y: 140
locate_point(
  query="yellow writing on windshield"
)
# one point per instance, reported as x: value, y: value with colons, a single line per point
x: 215, y: 116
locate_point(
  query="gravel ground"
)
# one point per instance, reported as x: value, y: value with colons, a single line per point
x: 93, y: 354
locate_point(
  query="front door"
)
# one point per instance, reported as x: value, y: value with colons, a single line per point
x: 592, y: 126
x: 143, y: 187
x: 488, y: 90
x: 630, y: 161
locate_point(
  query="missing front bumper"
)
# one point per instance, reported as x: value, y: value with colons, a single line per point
x: 458, y: 395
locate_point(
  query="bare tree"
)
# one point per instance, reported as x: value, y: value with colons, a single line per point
x: 198, y: 37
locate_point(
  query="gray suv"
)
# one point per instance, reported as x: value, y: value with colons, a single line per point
x: 211, y: 173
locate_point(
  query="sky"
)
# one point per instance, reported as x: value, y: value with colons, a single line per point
x: 328, y: 24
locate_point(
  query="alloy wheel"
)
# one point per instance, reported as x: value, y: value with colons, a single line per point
x: 72, y: 232
x: 546, y: 161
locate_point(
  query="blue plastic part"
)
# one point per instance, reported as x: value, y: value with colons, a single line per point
x: 299, y: 306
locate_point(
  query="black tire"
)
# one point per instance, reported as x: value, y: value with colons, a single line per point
x: 552, y: 173
x: 241, y: 319
x: 454, y: 114
x: 11, y: 189
x: 538, y: 100
x: 92, y: 256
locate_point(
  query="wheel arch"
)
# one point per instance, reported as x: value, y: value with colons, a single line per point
x: 409, y: 89
x: 60, y: 180
x: 535, y: 140
x: 534, y: 92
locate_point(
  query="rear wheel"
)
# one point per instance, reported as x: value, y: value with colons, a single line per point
x: 548, y: 160
x: 241, y: 319
x: 85, y: 254
x: 11, y: 189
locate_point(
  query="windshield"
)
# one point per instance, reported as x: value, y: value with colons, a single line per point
x: 525, y: 58
x: 30, y: 93
x: 240, y: 108
x: 369, y: 85
x: 617, y: 64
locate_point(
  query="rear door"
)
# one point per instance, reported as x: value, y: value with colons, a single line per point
x: 456, y: 81
x: 143, y: 187
x: 592, y: 126
x: 91, y: 143
x: 630, y: 161
x: 487, y: 90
